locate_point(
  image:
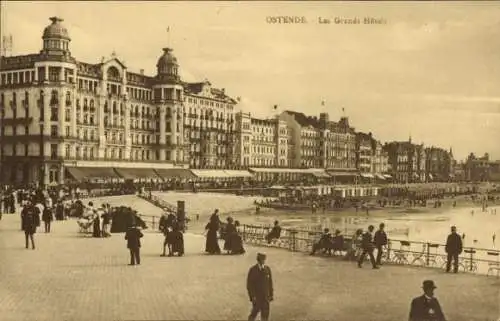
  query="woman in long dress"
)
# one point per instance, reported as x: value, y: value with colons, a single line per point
x: 213, y: 226
x: 229, y: 231
x: 96, y: 230
x: 237, y: 241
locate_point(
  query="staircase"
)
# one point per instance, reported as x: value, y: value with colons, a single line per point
x: 159, y: 202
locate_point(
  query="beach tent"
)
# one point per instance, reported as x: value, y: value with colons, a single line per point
x: 122, y: 217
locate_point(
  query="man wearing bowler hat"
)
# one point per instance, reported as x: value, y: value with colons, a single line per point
x: 260, y: 288
x: 426, y: 307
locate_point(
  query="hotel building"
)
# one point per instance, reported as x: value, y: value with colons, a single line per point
x: 261, y: 142
x: 61, y: 116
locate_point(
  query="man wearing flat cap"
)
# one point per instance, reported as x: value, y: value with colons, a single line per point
x: 426, y: 307
x: 260, y: 288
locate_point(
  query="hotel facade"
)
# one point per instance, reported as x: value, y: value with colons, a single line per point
x: 58, y: 113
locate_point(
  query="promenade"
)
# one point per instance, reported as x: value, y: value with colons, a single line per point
x: 71, y: 277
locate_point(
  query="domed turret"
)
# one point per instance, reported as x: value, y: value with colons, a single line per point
x: 56, y: 30
x: 167, y: 67
x: 56, y: 38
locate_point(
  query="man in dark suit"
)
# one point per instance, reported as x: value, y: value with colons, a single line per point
x: 133, y: 237
x: 380, y: 242
x: 260, y: 288
x: 30, y: 220
x: 426, y: 307
x: 453, y: 249
x: 368, y: 247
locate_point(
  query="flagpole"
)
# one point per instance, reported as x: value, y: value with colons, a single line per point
x: 168, y: 36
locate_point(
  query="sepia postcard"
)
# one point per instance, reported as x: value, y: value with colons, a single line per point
x: 249, y: 160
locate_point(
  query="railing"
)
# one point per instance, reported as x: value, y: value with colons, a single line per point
x: 151, y: 221
x: 159, y: 202
x: 398, y: 252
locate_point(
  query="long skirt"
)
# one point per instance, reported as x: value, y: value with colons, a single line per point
x: 212, y: 244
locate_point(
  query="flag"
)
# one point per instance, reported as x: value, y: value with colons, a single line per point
x: 343, y: 110
x: 168, y: 29
x: 275, y: 107
x: 322, y: 103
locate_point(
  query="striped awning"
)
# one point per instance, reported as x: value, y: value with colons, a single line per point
x: 137, y: 173
x: 236, y: 173
x: 209, y: 173
x: 169, y: 173
x: 89, y: 173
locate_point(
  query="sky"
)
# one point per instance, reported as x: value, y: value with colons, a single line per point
x: 431, y: 71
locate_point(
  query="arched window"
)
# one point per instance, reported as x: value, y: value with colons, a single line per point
x: 113, y: 73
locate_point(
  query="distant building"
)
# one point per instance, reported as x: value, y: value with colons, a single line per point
x: 321, y: 143
x: 439, y: 164
x: 405, y: 161
x: 261, y: 142
x: 364, y: 151
x: 379, y: 160
x: 481, y: 169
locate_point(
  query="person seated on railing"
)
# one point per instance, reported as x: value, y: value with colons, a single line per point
x: 275, y: 233
x: 175, y: 240
x: 324, y: 243
x: 355, y: 249
x: 229, y: 232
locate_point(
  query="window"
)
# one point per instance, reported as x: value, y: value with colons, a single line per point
x: 67, y: 151
x: 67, y: 131
x: 54, y: 113
x: 54, y: 132
x: 53, y: 151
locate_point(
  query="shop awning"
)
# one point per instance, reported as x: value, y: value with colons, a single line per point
x: 89, y: 173
x: 320, y: 174
x: 380, y: 176
x: 280, y: 170
x: 137, y: 173
x: 209, y: 173
x: 367, y: 175
x: 236, y: 173
x: 169, y: 173
x: 342, y: 173
x: 387, y: 176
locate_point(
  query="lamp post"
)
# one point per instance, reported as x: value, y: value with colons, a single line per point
x: 42, y: 157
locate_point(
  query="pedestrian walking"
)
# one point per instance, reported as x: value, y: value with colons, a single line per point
x: 453, y: 249
x: 260, y: 288
x: 47, y: 218
x: 426, y: 307
x: 30, y: 220
x: 368, y: 247
x: 133, y: 237
x: 380, y: 242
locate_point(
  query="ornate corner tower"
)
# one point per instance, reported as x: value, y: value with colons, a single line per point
x: 169, y: 96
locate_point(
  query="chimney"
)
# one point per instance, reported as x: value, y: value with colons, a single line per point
x: 223, y: 90
x: 142, y: 71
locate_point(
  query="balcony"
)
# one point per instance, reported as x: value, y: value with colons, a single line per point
x: 17, y: 121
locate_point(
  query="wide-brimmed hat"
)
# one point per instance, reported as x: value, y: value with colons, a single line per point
x: 428, y: 284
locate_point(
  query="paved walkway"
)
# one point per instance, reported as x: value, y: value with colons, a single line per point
x: 70, y: 277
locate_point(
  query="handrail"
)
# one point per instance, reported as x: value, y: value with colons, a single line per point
x: 399, y: 252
